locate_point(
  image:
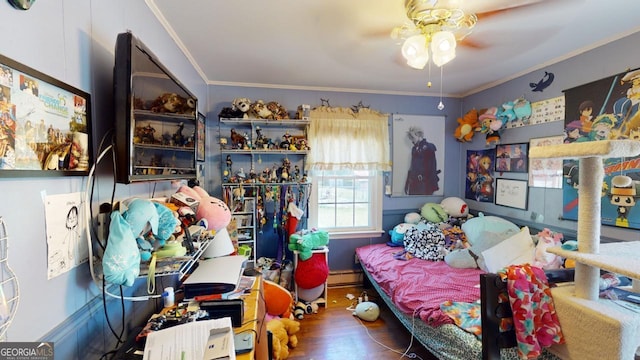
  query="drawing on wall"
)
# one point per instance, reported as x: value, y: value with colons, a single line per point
x: 418, y: 155
x: 605, y: 109
x: 545, y: 173
x: 512, y: 193
x: 479, y: 183
x: 66, y: 239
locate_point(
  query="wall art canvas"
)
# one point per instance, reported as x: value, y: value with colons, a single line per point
x: 512, y: 157
x: 479, y: 182
x: 418, y: 155
x: 605, y: 109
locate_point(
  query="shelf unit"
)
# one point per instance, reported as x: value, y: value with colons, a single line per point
x: 246, y: 144
x: 243, y: 212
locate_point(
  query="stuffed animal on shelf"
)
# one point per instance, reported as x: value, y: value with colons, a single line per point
x: 467, y: 126
x: 173, y: 103
x: 243, y: 105
x: 284, y: 336
x: 490, y: 125
x: 306, y: 240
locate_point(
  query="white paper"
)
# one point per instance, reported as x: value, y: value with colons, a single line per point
x: 185, y: 342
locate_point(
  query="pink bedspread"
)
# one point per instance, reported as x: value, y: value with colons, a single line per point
x: 418, y: 285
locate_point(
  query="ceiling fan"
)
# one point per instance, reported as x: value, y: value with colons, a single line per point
x: 427, y: 17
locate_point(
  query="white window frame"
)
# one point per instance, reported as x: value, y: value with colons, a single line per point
x: 375, y: 202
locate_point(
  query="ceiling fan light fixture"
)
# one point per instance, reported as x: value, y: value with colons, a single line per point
x: 443, y: 47
x: 415, y: 51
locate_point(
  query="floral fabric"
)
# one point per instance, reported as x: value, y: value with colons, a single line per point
x: 534, y: 315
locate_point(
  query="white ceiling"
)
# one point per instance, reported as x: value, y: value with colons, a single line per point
x: 344, y: 45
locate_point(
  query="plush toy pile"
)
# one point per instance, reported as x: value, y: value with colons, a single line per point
x: 244, y: 108
x: 141, y: 229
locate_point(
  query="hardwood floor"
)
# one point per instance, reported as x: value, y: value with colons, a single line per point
x: 334, y: 333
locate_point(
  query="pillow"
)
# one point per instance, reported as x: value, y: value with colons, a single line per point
x: 471, y: 257
x: 516, y: 250
x: 474, y: 227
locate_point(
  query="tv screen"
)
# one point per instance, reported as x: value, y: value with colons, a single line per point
x: 155, y: 117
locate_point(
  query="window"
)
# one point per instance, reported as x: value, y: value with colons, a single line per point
x: 347, y: 203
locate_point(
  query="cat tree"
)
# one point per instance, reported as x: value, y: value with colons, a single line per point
x: 595, y: 328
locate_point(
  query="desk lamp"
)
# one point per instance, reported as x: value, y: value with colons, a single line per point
x: 221, y: 245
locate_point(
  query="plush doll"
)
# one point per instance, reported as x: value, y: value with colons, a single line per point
x: 455, y: 207
x: 243, y: 105
x: 397, y: 233
x: 367, y: 311
x: 412, y: 218
x: 434, y: 213
x: 543, y: 259
x: 306, y: 240
x: 284, y: 336
x: 278, y: 300
x: 312, y: 272
x: 467, y: 126
x: 490, y: 125
x: 212, y: 212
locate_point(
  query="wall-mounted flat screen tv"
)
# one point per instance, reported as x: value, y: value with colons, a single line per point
x: 155, y: 117
x: 45, y: 124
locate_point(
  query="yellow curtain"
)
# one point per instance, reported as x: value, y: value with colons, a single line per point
x: 343, y: 139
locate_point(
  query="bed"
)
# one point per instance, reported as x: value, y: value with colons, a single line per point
x: 415, y: 288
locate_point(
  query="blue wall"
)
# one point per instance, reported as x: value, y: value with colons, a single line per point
x: 73, y: 41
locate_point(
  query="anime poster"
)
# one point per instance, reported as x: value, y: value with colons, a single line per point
x: 479, y: 184
x: 66, y: 239
x: 605, y: 109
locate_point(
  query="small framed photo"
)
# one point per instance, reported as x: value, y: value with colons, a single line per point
x: 512, y: 158
x: 201, y: 142
x: 512, y: 193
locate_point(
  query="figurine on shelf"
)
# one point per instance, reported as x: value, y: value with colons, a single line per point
x: 227, y: 171
x: 296, y: 173
x: 178, y: 138
x: 261, y: 141
x: 238, y: 141
x: 286, y: 141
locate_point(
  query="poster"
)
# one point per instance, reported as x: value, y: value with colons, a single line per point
x: 66, y: 233
x: 605, y: 109
x: 418, y: 155
x: 479, y: 180
x: 545, y: 173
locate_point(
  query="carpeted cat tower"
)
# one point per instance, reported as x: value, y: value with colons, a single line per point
x: 594, y: 328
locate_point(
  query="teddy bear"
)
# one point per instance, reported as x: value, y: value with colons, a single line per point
x: 243, y: 105
x: 467, y: 126
x: 306, y: 240
x: 284, y: 336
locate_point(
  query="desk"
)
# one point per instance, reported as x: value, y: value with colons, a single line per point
x: 254, y: 320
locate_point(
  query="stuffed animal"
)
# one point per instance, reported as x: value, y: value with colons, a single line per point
x: 173, y: 103
x: 367, y: 311
x: 212, y: 212
x: 306, y: 240
x: 490, y: 125
x: 303, y: 308
x: 312, y: 272
x: 467, y: 126
x: 412, y: 218
x: 455, y: 207
x: 397, y: 233
x: 259, y: 110
x: 278, y: 300
x: 434, y: 213
x: 278, y: 112
x: 543, y: 259
x: 243, y: 105
x: 284, y: 336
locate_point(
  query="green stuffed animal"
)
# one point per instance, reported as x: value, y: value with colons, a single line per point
x: 306, y: 240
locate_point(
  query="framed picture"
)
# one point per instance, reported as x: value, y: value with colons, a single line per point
x: 512, y: 157
x: 545, y: 173
x: 418, y: 155
x: 201, y: 137
x: 512, y: 193
x: 45, y: 124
